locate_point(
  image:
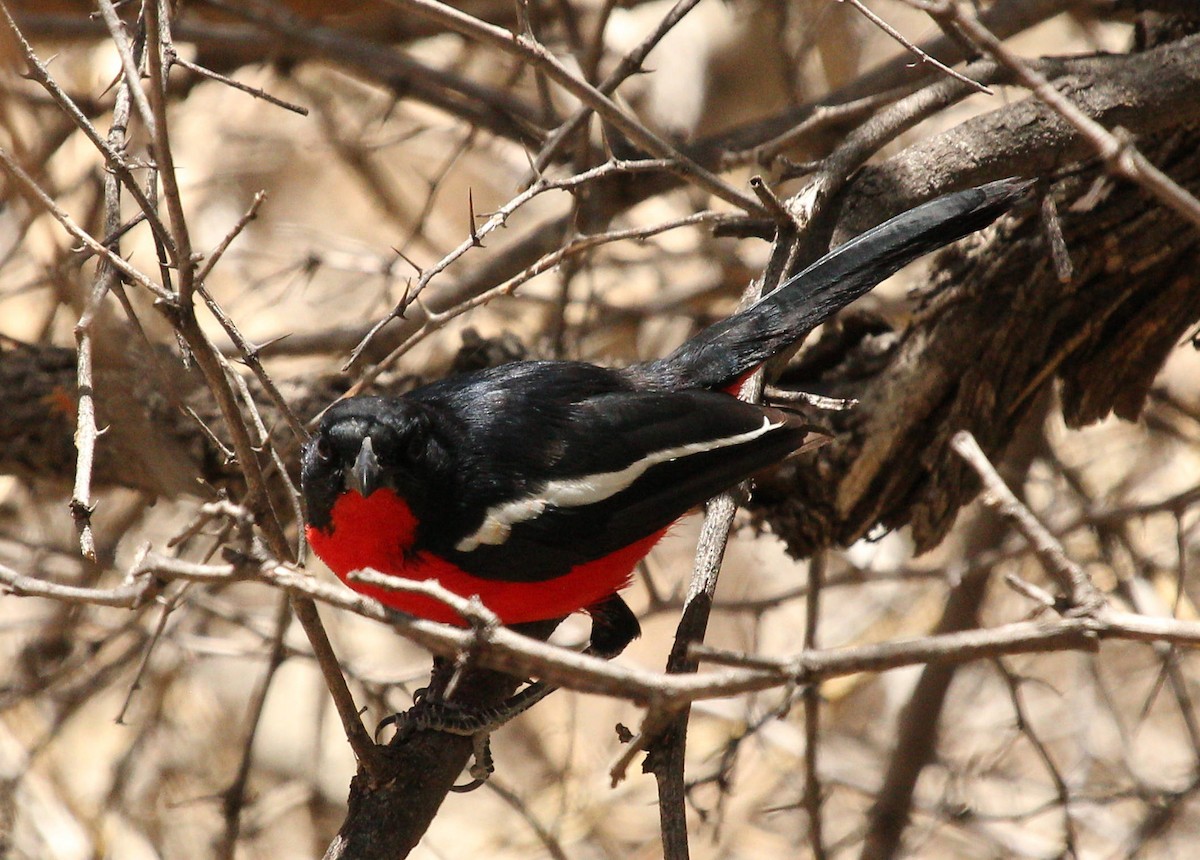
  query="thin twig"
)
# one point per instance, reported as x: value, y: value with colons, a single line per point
x: 1043, y: 753
x: 1077, y: 586
x: 628, y: 65
x: 233, y: 799
x: 536, y: 54
x: 665, y: 757
x: 106, y: 277
x: 913, y: 49
x: 1117, y: 152
x: 209, y: 361
x: 435, y: 320
x: 511, y: 652
x: 256, y: 92
x: 129, y: 65
x: 498, y: 219
x: 115, y: 160
x: 250, y: 354
x: 39, y: 196
x: 158, y: 39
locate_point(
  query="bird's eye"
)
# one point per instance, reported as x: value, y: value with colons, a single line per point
x: 324, y: 448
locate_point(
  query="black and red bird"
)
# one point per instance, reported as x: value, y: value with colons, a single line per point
x: 539, y: 485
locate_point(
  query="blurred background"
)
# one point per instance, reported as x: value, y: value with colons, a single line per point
x: 137, y: 733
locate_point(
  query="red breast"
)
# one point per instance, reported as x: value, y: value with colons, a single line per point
x: 378, y: 532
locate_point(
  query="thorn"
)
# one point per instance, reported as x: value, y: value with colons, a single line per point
x: 533, y: 168
x: 406, y: 299
x: 254, y: 351
x: 405, y: 258
x: 475, y: 242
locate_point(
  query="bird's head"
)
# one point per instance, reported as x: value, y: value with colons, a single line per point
x: 367, y: 444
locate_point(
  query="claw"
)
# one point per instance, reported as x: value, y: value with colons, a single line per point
x: 468, y: 786
x: 478, y: 724
x: 482, y: 765
x: 396, y: 720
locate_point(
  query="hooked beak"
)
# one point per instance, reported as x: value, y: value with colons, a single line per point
x: 365, y: 476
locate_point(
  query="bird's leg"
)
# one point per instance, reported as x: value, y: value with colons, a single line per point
x: 433, y: 693
x: 475, y: 723
x: 456, y: 720
x: 614, y: 626
x: 439, y: 679
x: 482, y: 765
x: 432, y: 712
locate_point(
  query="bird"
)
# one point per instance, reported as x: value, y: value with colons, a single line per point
x: 537, y: 486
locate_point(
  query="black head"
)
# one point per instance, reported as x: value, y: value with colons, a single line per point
x: 371, y: 443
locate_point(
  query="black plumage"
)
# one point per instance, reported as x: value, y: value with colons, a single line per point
x: 525, y: 471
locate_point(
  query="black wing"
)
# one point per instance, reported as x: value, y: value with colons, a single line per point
x: 615, y: 467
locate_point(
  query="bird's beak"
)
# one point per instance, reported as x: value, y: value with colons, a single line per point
x: 365, y: 475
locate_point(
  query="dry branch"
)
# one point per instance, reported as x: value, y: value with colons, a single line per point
x: 996, y: 327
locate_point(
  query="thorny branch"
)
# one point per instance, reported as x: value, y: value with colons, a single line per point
x: 511, y: 652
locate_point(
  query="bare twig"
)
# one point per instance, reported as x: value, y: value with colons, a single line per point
x: 1077, y: 586
x: 1058, y: 245
x: 191, y: 608
x: 182, y: 312
x: 31, y: 188
x: 106, y: 276
x: 129, y: 66
x: 249, y: 353
x: 498, y: 219
x: 628, y: 65
x: 158, y: 39
x: 256, y: 92
x: 434, y: 320
x: 233, y: 799
x: 115, y: 160
x: 1026, y: 728
x: 536, y: 54
x: 480, y: 105
x: 913, y: 49
x: 511, y: 652
x: 665, y: 757
x: 1115, y: 149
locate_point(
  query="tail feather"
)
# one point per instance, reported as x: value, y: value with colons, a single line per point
x: 726, y: 350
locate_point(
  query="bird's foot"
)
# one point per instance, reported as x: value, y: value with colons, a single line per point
x: 475, y: 723
x: 614, y: 626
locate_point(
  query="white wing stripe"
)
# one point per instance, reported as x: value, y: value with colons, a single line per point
x: 588, y: 489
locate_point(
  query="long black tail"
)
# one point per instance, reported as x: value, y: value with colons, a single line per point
x: 723, y: 352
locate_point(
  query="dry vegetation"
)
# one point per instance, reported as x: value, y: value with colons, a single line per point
x: 286, y: 204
